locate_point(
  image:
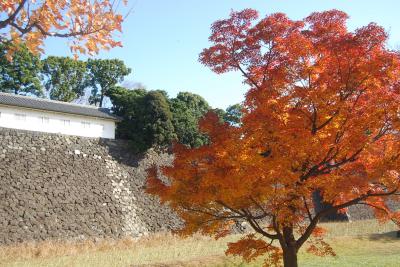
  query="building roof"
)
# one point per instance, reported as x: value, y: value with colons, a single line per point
x: 55, y: 106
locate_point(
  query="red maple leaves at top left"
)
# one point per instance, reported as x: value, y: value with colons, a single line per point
x: 89, y: 25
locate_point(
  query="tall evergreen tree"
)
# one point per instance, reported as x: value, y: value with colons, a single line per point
x: 105, y: 74
x: 187, y: 108
x: 21, y: 74
x: 146, y: 117
x: 66, y: 78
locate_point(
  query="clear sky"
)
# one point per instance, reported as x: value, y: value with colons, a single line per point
x: 163, y: 38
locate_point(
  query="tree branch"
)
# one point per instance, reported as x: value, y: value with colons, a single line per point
x: 218, y: 217
x: 230, y: 208
x: 379, y: 208
x: 260, y: 207
x: 247, y: 76
x: 332, y: 209
x: 327, y: 167
x: 54, y: 34
x: 327, y: 121
x: 307, y: 209
x: 257, y: 227
x: 12, y: 17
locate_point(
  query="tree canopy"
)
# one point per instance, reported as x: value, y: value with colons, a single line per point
x: 151, y: 118
x: 146, y: 117
x: 104, y: 75
x: 187, y: 109
x: 89, y: 25
x: 65, y: 78
x: 233, y: 114
x: 22, y: 75
x: 322, y: 113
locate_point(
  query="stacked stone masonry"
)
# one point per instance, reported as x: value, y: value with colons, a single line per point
x: 65, y: 187
x: 56, y: 187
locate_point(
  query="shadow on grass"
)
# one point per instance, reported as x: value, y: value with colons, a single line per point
x: 388, y: 236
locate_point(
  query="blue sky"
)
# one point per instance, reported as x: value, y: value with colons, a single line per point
x: 163, y: 38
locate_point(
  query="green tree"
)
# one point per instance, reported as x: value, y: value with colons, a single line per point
x: 187, y: 109
x: 105, y: 74
x: 146, y: 117
x: 233, y: 114
x: 220, y: 114
x: 157, y: 118
x: 66, y: 78
x: 21, y: 75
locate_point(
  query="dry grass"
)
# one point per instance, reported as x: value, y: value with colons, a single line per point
x: 357, y: 242
x: 357, y: 228
x: 158, y: 248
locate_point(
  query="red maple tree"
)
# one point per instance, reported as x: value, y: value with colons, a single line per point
x: 322, y: 114
x: 89, y: 25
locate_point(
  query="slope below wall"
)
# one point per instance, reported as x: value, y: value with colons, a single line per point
x: 58, y: 187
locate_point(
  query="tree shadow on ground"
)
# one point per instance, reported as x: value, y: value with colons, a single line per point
x: 388, y: 236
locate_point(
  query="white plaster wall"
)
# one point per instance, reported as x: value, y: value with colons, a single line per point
x: 53, y: 122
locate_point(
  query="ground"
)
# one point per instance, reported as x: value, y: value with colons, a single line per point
x: 360, y: 243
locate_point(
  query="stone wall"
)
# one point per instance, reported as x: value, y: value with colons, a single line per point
x: 65, y: 187
x: 57, y: 187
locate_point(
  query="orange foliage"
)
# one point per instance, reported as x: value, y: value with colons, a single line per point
x: 251, y: 248
x: 89, y: 25
x: 320, y: 248
x: 322, y: 113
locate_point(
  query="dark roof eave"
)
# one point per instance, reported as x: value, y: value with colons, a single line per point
x: 56, y: 106
x: 112, y: 117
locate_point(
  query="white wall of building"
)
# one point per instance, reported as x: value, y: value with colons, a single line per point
x: 53, y: 122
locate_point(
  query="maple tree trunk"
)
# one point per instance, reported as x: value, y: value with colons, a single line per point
x: 288, y: 247
x: 101, y: 100
x: 290, y: 257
